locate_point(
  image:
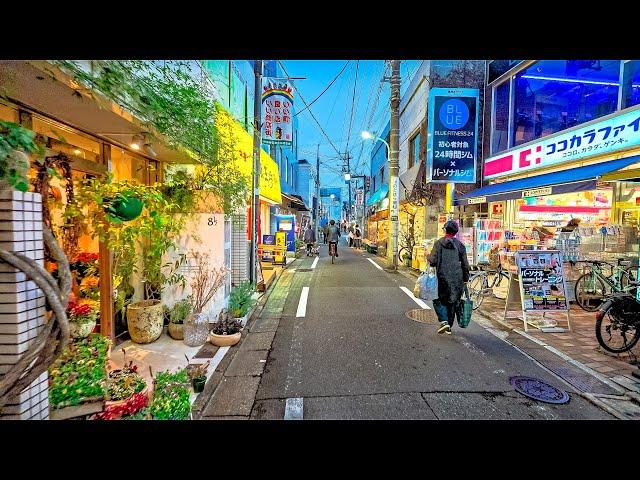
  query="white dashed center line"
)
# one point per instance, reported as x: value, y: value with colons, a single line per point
x: 302, y: 304
x: 417, y: 300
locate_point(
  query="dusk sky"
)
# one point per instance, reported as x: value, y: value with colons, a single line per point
x: 333, y: 110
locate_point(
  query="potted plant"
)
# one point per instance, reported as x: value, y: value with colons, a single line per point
x: 241, y: 300
x: 198, y: 375
x: 205, y: 282
x: 226, y: 331
x: 299, y: 246
x: 82, y: 319
x: 177, y: 315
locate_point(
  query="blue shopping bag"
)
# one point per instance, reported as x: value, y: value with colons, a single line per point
x: 428, y: 284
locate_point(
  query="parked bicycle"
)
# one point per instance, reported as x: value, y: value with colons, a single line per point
x: 479, y: 285
x: 618, y: 321
x: 592, y: 287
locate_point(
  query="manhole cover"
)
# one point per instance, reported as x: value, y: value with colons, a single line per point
x: 303, y: 269
x: 538, y: 390
x: 421, y: 315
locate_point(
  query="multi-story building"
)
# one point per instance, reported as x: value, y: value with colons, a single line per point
x: 563, y: 143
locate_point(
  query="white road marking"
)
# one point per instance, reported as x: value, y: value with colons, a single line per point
x: 315, y: 262
x: 302, y: 304
x: 293, y: 409
x: 375, y: 264
x: 417, y: 300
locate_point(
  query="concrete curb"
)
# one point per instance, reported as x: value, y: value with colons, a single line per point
x: 218, y: 375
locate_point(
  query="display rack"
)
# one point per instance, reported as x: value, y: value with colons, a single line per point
x: 488, y: 233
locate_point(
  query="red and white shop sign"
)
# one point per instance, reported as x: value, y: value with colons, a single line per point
x: 612, y: 134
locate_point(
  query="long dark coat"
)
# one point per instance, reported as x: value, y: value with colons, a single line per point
x: 449, y: 256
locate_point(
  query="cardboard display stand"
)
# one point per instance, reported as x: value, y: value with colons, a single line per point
x: 539, y: 287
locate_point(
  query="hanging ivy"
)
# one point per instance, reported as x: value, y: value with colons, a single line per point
x: 170, y: 98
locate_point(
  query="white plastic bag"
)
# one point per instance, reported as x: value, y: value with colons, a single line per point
x: 428, y: 285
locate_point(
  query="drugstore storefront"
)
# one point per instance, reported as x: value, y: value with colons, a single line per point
x: 590, y: 173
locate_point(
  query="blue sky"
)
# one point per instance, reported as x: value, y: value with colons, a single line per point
x: 333, y: 110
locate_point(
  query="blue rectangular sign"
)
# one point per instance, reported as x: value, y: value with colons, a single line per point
x: 452, y: 147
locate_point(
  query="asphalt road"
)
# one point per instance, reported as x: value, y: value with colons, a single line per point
x: 354, y: 354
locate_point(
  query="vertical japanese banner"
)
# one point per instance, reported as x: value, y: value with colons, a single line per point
x: 452, y: 149
x: 277, y: 112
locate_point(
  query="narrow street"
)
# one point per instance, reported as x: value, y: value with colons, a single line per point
x: 350, y: 352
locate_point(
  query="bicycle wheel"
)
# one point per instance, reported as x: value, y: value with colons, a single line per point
x: 589, y: 291
x: 615, y: 336
x: 476, y: 290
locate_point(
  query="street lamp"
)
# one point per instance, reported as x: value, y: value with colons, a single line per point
x: 370, y: 136
x: 347, y: 177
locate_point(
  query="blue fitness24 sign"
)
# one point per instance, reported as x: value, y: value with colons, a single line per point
x: 452, y: 148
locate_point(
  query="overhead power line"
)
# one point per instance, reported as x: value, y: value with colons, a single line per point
x: 323, y: 92
x: 310, y: 111
x: 353, y: 102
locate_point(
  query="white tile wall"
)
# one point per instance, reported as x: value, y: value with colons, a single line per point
x: 22, y: 312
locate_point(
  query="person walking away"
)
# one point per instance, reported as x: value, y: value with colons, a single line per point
x: 449, y: 256
x: 309, y: 238
x: 357, y: 237
x: 351, y: 232
x: 333, y: 234
x: 325, y: 232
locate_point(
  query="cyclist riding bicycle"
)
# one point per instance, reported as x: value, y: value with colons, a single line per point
x: 333, y: 235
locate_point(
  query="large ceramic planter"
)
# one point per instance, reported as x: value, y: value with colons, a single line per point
x: 145, y: 321
x: 176, y: 331
x: 81, y: 330
x: 224, y: 340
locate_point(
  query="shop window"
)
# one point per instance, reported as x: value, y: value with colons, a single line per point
x: 414, y: 150
x: 8, y: 114
x: 500, y: 138
x: 127, y: 166
x: 66, y: 140
x: 631, y: 84
x: 553, y: 95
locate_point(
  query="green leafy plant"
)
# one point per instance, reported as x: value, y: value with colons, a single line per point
x: 240, y: 300
x: 79, y: 374
x: 299, y: 244
x: 180, y: 310
x: 16, y: 143
x: 138, y: 245
x: 171, y: 396
x: 198, y: 371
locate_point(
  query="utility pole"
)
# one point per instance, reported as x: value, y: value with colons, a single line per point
x: 349, y: 171
x: 317, y: 220
x: 394, y: 166
x: 255, y: 190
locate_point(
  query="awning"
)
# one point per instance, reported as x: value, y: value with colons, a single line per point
x: 378, y: 195
x: 571, y: 180
x: 296, y: 202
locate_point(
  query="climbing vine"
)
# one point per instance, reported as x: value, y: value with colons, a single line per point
x: 171, y: 98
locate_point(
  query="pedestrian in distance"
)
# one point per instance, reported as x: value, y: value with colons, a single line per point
x: 351, y: 233
x: 333, y: 234
x: 325, y: 232
x: 449, y: 256
x: 357, y: 237
x: 309, y: 238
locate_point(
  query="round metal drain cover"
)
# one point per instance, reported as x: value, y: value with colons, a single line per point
x: 538, y: 390
x: 303, y: 269
x: 421, y: 315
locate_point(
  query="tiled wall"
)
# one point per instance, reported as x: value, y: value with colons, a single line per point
x: 22, y: 304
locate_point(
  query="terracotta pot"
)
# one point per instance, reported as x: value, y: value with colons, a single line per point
x: 224, y: 340
x: 176, y: 331
x: 77, y: 330
x: 145, y: 321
